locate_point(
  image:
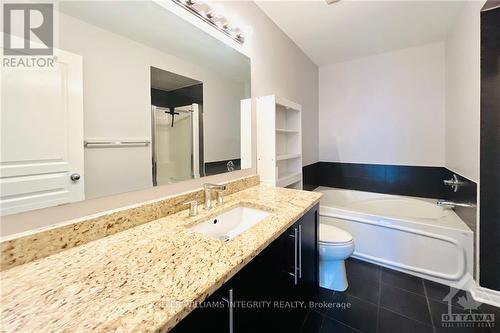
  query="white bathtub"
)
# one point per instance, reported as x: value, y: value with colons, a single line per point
x: 412, y: 235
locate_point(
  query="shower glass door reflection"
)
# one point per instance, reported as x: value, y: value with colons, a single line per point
x: 176, y: 144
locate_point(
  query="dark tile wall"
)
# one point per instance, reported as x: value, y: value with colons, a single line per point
x: 418, y: 181
x: 390, y: 179
x: 490, y: 149
x: 467, y: 193
x: 214, y: 168
x: 310, y: 176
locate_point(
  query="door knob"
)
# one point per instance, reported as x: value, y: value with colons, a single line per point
x: 75, y: 177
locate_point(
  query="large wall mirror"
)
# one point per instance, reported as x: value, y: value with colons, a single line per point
x: 137, y: 97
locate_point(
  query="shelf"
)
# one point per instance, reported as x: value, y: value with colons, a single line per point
x: 286, y: 131
x: 287, y: 156
x: 279, y: 123
x: 289, y: 105
x: 288, y: 179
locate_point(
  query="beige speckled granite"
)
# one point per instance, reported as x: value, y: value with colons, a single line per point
x: 146, y: 278
x: 19, y: 249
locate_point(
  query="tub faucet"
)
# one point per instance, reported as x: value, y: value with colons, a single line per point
x: 208, y: 194
x: 451, y: 204
x: 454, y: 183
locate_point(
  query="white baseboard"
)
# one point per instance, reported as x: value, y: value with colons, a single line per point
x: 485, y: 295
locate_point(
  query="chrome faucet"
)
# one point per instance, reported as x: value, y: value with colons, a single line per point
x: 193, y: 207
x: 208, y: 194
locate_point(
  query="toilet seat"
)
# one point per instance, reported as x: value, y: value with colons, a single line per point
x: 330, y: 244
x: 333, y: 236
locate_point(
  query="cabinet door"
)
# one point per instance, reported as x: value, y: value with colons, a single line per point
x: 213, y: 315
x: 290, y: 255
x: 308, y: 249
x: 296, y: 253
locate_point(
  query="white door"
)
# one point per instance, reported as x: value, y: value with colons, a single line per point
x: 42, y: 135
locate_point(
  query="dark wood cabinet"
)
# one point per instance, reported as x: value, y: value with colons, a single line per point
x: 295, y: 253
x: 271, y: 292
x: 308, y: 250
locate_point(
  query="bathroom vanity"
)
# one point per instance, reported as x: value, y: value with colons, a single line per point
x: 280, y: 279
x: 150, y: 276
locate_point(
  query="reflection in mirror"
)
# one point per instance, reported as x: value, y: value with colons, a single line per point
x: 177, y: 127
x: 132, y: 83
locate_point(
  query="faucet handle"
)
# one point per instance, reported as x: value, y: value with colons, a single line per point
x: 220, y: 198
x: 193, y: 207
x: 454, y: 183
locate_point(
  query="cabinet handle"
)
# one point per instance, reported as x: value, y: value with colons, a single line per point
x: 300, y: 251
x: 231, y: 318
x: 295, y: 237
x: 229, y: 301
x: 295, y: 254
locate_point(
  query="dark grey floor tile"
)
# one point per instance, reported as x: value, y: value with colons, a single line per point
x: 356, y: 266
x: 438, y: 292
x: 364, y: 280
x: 324, y: 294
x: 405, y: 303
x: 333, y: 326
x: 439, y: 309
x: 490, y: 309
x: 312, y: 323
x: 356, y: 313
x: 486, y: 308
x: 322, y: 298
x: 390, y: 322
x: 403, y: 281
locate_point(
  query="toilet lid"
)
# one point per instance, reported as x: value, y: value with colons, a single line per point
x: 330, y: 234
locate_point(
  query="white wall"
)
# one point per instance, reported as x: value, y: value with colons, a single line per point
x: 384, y: 109
x: 221, y: 129
x: 463, y: 78
x: 278, y: 66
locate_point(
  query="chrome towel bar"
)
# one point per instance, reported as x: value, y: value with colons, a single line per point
x: 115, y: 143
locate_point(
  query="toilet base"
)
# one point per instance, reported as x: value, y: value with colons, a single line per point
x: 332, y: 275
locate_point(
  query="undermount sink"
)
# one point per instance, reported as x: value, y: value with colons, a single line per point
x: 230, y: 223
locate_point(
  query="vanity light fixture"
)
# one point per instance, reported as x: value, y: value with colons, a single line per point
x: 214, y: 16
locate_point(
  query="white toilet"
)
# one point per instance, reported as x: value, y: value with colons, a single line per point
x: 335, y: 245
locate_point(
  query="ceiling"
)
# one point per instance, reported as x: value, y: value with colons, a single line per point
x: 351, y: 29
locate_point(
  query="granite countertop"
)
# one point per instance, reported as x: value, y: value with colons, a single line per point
x: 146, y: 278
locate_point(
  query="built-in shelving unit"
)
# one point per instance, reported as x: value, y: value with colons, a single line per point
x: 279, y: 142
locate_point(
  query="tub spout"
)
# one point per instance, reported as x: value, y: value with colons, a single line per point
x: 451, y: 204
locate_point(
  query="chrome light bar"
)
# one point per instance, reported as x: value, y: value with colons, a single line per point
x: 203, y: 11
